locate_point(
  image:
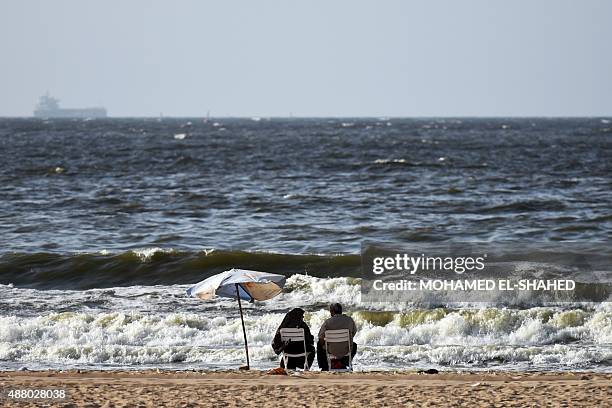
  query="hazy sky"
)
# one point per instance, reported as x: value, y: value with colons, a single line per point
x: 311, y: 58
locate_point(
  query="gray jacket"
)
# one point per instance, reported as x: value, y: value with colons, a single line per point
x: 336, y: 322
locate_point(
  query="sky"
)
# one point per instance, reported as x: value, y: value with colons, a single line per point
x: 309, y: 58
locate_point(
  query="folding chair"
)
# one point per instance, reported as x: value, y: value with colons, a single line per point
x: 339, y: 336
x: 294, y: 335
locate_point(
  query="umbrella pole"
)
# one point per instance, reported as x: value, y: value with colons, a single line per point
x: 246, y: 345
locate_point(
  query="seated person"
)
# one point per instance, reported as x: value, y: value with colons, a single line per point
x: 294, y: 320
x: 335, y: 322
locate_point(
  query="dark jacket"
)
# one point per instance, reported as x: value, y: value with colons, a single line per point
x: 293, y: 320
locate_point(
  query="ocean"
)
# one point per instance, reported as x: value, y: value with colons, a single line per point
x: 104, y: 223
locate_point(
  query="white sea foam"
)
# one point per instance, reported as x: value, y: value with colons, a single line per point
x: 308, y: 290
x: 145, y: 254
x: 388, y: 161
x: 139, y: 325
x: 459, y: 338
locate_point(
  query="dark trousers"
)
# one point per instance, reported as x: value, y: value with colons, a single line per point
x: 297, y: 362
x: 322, y: 355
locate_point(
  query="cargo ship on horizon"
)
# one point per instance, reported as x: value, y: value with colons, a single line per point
x: 49, y: 107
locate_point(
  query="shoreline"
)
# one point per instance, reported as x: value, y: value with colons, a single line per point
x: 232, y: 388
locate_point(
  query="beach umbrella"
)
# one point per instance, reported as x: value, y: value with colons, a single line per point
x: 240, y: 284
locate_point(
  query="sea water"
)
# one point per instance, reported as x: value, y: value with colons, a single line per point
x: 105, y: 223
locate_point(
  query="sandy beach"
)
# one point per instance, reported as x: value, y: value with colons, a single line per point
x: 256, y: 388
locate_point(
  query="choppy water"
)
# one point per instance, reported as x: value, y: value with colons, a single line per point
x: 300, y: 185
x: 104, y: 223
x: 137, y: 327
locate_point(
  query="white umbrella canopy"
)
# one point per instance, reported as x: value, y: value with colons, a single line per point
x: 252, y: 285
x: 239, y: 284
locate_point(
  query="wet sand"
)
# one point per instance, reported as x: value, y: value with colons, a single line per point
x: 258, y: 389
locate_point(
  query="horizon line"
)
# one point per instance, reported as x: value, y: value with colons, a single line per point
x: 379, y: 117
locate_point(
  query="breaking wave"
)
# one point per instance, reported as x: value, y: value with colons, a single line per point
x: 157, y: 325
x: 157, y: 266
x: 572, y: 338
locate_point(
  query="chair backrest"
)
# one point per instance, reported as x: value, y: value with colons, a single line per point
x: 292, y: 334
x: 337, y: 336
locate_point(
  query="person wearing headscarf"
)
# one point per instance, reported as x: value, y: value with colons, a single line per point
x: 294, y: 320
